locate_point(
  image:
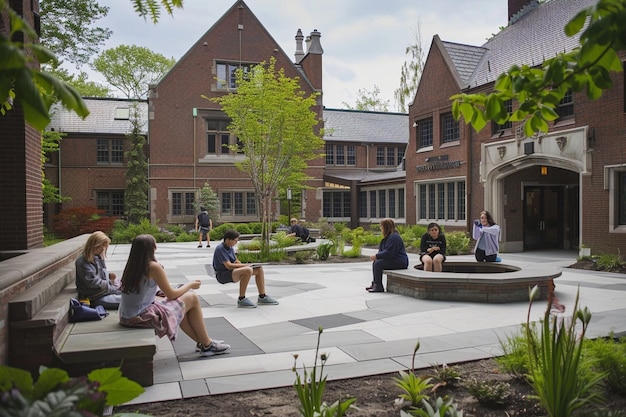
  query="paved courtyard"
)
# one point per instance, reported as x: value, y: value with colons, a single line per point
x: 363, y: 333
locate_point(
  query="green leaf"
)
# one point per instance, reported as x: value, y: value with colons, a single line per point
x: 49, y: 379
x: 576, y: 24
x: 494, y: 107
x: 22, y: 380
x: 478, y: 120
x: 119, y: 389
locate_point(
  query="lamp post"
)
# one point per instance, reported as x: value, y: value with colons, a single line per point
x: 289, y: 204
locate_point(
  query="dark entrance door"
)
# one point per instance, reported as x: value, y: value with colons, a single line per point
x: 543, y: 217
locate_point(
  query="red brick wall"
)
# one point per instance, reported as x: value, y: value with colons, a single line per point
x: 178, y: 141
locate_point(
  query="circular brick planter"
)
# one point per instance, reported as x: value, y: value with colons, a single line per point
x: 473, y: 281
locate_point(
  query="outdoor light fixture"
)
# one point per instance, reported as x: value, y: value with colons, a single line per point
x: 544, y: 171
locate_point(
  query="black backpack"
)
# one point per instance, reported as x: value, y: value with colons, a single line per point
x: 203, y: 219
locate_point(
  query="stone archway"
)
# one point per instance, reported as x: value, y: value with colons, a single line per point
x: 511, y: 162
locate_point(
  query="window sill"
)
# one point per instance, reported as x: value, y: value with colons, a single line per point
x: 425, y: 149
x: 450, y: 144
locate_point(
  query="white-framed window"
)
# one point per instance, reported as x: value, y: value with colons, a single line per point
x: 615, y: 182
x: 336, y: 204
x: 441, y: 201
x: 382, y: 202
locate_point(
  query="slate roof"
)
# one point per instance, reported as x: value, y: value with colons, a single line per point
x: 536, y: 34
x: 365, y: 126
x: 101, y: 117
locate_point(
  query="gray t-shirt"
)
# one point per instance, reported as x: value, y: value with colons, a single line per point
x: 133, y: 304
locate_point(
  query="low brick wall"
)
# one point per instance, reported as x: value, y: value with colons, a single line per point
x: 484, y: 287
x: 20, y: 273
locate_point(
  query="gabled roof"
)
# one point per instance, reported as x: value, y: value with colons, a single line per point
x: 365, y: 126
x: 101, y: 119
x: 535, y: 35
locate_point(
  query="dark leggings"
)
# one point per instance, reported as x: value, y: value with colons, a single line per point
x: 481, y: 257
x: 379, y: 265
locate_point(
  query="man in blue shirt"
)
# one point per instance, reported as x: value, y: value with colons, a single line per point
x: 229, y: 269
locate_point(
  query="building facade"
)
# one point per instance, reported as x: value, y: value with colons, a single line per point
x: 559, y: 190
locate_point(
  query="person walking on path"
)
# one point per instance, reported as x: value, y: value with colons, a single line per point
x: 204, y: 224
x: 391, y: 255
x: 433, y: 249
x: 140, y: 307
x: 93, y: 280
x: 487, y: 235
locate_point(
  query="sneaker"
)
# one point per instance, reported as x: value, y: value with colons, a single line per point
x: 267, y: 300
x: 245, y: 303
x: 199, y: 345
x: 199, y: 246
x: 208, y: 246
x: 214, y: 349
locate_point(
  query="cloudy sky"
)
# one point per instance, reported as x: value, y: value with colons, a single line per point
x: 364, y: 41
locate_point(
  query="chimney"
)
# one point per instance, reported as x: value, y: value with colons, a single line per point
x: 314, y: 46
x: 515, y: 6
x: 299, y: 51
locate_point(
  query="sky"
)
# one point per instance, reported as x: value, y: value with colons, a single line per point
x: 364, y: 41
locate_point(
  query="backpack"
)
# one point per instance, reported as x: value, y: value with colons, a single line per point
x: 203, y: 219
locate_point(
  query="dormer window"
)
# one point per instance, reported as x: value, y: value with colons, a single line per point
x: 122, y: 113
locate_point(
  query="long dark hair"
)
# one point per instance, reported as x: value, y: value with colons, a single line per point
x: 138, y: 264
x: 490, y: 219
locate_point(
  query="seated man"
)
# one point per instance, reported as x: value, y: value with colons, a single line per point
x: 229, y: 269
x: 299, y: 231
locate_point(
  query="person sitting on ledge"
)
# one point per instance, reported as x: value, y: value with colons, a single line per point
x: 391, y: 255
x: 433, y: 249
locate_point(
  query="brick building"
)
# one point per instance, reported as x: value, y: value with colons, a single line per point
x: 186, y: 133
x: 558, y: 190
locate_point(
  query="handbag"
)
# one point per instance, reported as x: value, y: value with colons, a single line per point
x: 83, y: 312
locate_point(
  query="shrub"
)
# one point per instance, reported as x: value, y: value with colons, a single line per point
x: 323, y: 250
x: 609, y: 357
x: 243, y: 228
x: 125, y: 233
x: 515, y: 358
x: 611, y: 261
x: 217, y: 233
x: 77, y: 221
x: 302, y: 256
x: 55, y: 394
x: 446, y: 375
x: 490, y: 393
x: 457, y: 243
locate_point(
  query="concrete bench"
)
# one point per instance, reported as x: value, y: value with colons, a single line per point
x: 41, y: 334
x: 474, y: 282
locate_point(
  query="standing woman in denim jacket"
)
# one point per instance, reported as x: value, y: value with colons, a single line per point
x: 487, y: 235
x: 391, y: 255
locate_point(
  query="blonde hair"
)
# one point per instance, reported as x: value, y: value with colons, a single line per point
x: 388, y: 226
x: 97, y: 239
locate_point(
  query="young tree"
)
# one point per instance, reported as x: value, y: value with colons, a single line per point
x: 209, y: 200
x: 538, y: 90
x: 131, y: 69
x: 137, y: 187
x: 411, y: 72
x: 274, y: 122
x: 369, y: 101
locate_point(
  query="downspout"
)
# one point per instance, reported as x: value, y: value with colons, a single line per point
x: 468, y: 183
x: 195, y: 116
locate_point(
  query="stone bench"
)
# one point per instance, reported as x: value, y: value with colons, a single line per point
x: 41, y: 334
x: 474, y: 282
